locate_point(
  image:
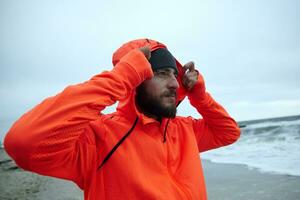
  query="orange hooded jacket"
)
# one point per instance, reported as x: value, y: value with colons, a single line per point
x: 67, y: 137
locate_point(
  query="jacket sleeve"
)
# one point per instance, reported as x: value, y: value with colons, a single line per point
x: 55, y: 138
x: 217, y: 128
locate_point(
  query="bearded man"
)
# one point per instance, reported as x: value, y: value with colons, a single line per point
x: 141, y: 151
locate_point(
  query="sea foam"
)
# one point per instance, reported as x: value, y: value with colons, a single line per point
x: 270, y: 146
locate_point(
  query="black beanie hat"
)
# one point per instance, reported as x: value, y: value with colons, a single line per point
x: 162, y: 58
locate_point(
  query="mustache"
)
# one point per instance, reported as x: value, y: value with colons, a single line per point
x: 170, y: 93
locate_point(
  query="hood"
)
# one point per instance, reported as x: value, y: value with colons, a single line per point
x: 127, y: 105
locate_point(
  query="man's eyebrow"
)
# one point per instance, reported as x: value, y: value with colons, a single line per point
x: 168, y: 70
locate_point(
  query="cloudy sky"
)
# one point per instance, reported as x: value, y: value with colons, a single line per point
x: 247, y: 50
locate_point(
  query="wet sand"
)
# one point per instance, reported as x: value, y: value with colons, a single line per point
x: 17, y: 184
x: 238, y: 182
x: 224, y: 182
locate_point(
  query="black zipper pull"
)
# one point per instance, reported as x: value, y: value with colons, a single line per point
x: 165, y: 131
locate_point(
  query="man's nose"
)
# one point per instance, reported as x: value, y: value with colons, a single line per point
x: 173, y: 83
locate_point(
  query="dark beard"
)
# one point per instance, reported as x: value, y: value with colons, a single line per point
x: 152, y: 105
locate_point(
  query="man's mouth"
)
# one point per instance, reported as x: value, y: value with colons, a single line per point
x: 171, y: 95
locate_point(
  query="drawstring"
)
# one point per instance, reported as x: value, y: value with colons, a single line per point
x: 165, y: 131
x: 117, y: 145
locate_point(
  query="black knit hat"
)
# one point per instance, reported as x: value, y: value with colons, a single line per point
x: 162, y: 58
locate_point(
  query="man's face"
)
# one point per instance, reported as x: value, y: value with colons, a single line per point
x: 157, y: 96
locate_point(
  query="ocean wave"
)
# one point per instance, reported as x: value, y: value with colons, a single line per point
x: 271, y: 147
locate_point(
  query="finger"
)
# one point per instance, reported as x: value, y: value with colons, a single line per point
x: 192, y: 74
x: 146, y: 51
x: 187, y: 66
x: 190, y: 66
x: 189, y: 84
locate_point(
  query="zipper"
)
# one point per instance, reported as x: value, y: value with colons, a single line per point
x: 165, y: 132
x: 107, y: 157
x: 179, y: 186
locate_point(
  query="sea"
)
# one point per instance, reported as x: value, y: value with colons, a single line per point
x: 269, y: 145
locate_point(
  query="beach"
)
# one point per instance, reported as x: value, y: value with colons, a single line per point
x: 17, y: 184
x: 224, y: 182
x: 238, y: 182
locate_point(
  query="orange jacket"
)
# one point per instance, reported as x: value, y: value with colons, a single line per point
x: 67, y: 137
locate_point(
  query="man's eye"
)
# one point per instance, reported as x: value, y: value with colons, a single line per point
x: 162, y: 73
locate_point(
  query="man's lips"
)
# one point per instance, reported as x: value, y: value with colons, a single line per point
x: 171, y: 95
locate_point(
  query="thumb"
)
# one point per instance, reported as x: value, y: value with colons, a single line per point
x: 189, y: 66
x: 146, y: 51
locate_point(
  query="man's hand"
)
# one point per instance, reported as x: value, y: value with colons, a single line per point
x: 190, y: 76
x: 146, y: 51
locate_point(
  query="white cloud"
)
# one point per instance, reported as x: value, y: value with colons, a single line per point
x: 246, y: 110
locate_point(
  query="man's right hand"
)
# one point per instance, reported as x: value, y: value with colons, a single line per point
x: 146, y: 51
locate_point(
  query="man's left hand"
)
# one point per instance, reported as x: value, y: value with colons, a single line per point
x: 190, y: 76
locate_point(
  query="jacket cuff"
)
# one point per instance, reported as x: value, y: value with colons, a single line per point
x: 201, y: 101
x: 198, y: 92
x: 137, y: 60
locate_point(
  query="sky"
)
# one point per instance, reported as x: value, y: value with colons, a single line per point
x: 247, y: 50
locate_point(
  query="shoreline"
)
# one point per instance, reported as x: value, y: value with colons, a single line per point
x: 223, y: 182
x: 250, y: 168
